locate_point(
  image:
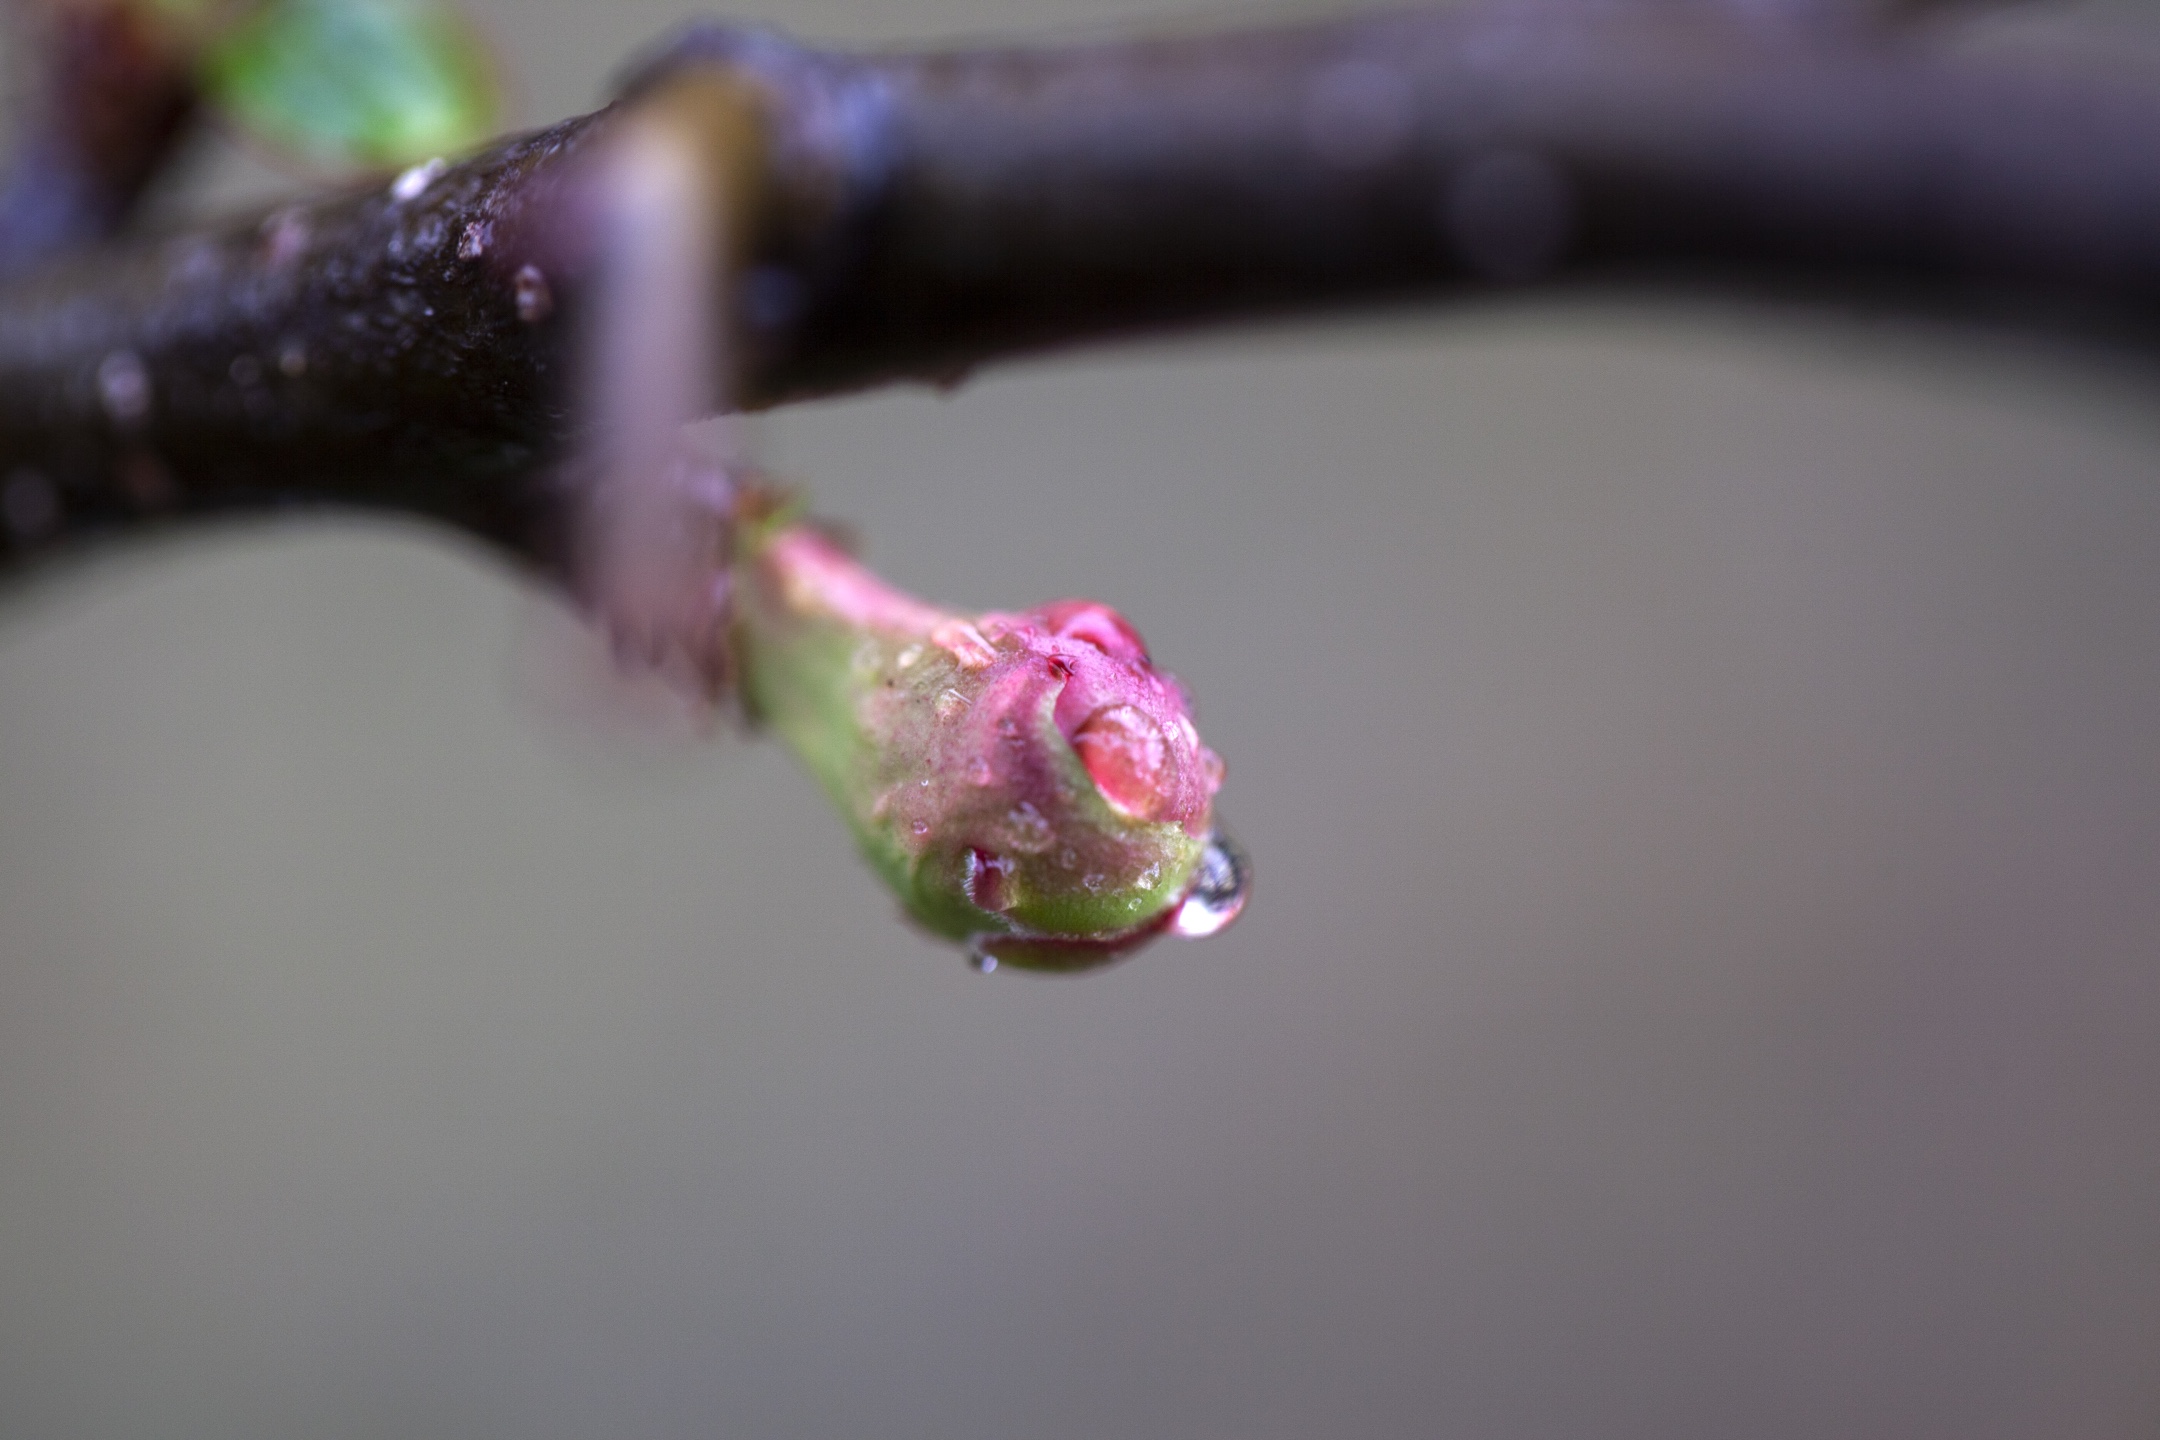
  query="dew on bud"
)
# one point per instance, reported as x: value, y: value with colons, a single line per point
x: 1221, y: 881
x: 1126, y: 758
x: 1026, y: 782
x: 1026, y: 830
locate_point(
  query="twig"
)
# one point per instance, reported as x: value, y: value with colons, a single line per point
x: 413, y: 348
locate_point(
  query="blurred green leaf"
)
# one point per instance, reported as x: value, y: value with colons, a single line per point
x: 369, y: 82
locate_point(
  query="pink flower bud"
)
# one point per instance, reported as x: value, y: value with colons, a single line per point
x: 1027, y: 782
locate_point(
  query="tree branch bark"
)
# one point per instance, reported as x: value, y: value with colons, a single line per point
x: 416, y: 348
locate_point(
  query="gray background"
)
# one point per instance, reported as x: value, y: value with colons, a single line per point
x: 1704, y: 977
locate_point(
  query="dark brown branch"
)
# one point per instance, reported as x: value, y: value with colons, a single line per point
x: 925, y: 214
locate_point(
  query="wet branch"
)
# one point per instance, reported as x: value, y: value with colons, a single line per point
x: 416, y: 348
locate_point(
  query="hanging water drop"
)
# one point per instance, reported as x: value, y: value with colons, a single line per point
x: 982, y: 962
x: 1221, y: 882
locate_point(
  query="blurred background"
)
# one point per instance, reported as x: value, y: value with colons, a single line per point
x: 1703, y: 979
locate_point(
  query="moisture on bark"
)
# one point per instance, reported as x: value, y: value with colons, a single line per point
x: 415, y: 347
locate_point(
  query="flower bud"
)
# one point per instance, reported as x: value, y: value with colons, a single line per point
x: 1027, y: 783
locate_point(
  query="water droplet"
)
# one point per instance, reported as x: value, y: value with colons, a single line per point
x: 982, y: 962
x: 414, y: 182
x: 124, y: 387
x: 535, y: 301
x: 1127, y: 758
x: 980, y: 772
x: 907, y: 658
x: 474, y: 242
x: 1026, y: 829
x: 1221, y: 882
x: 920, y: 827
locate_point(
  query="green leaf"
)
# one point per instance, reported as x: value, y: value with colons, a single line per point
x: 343, y: 82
